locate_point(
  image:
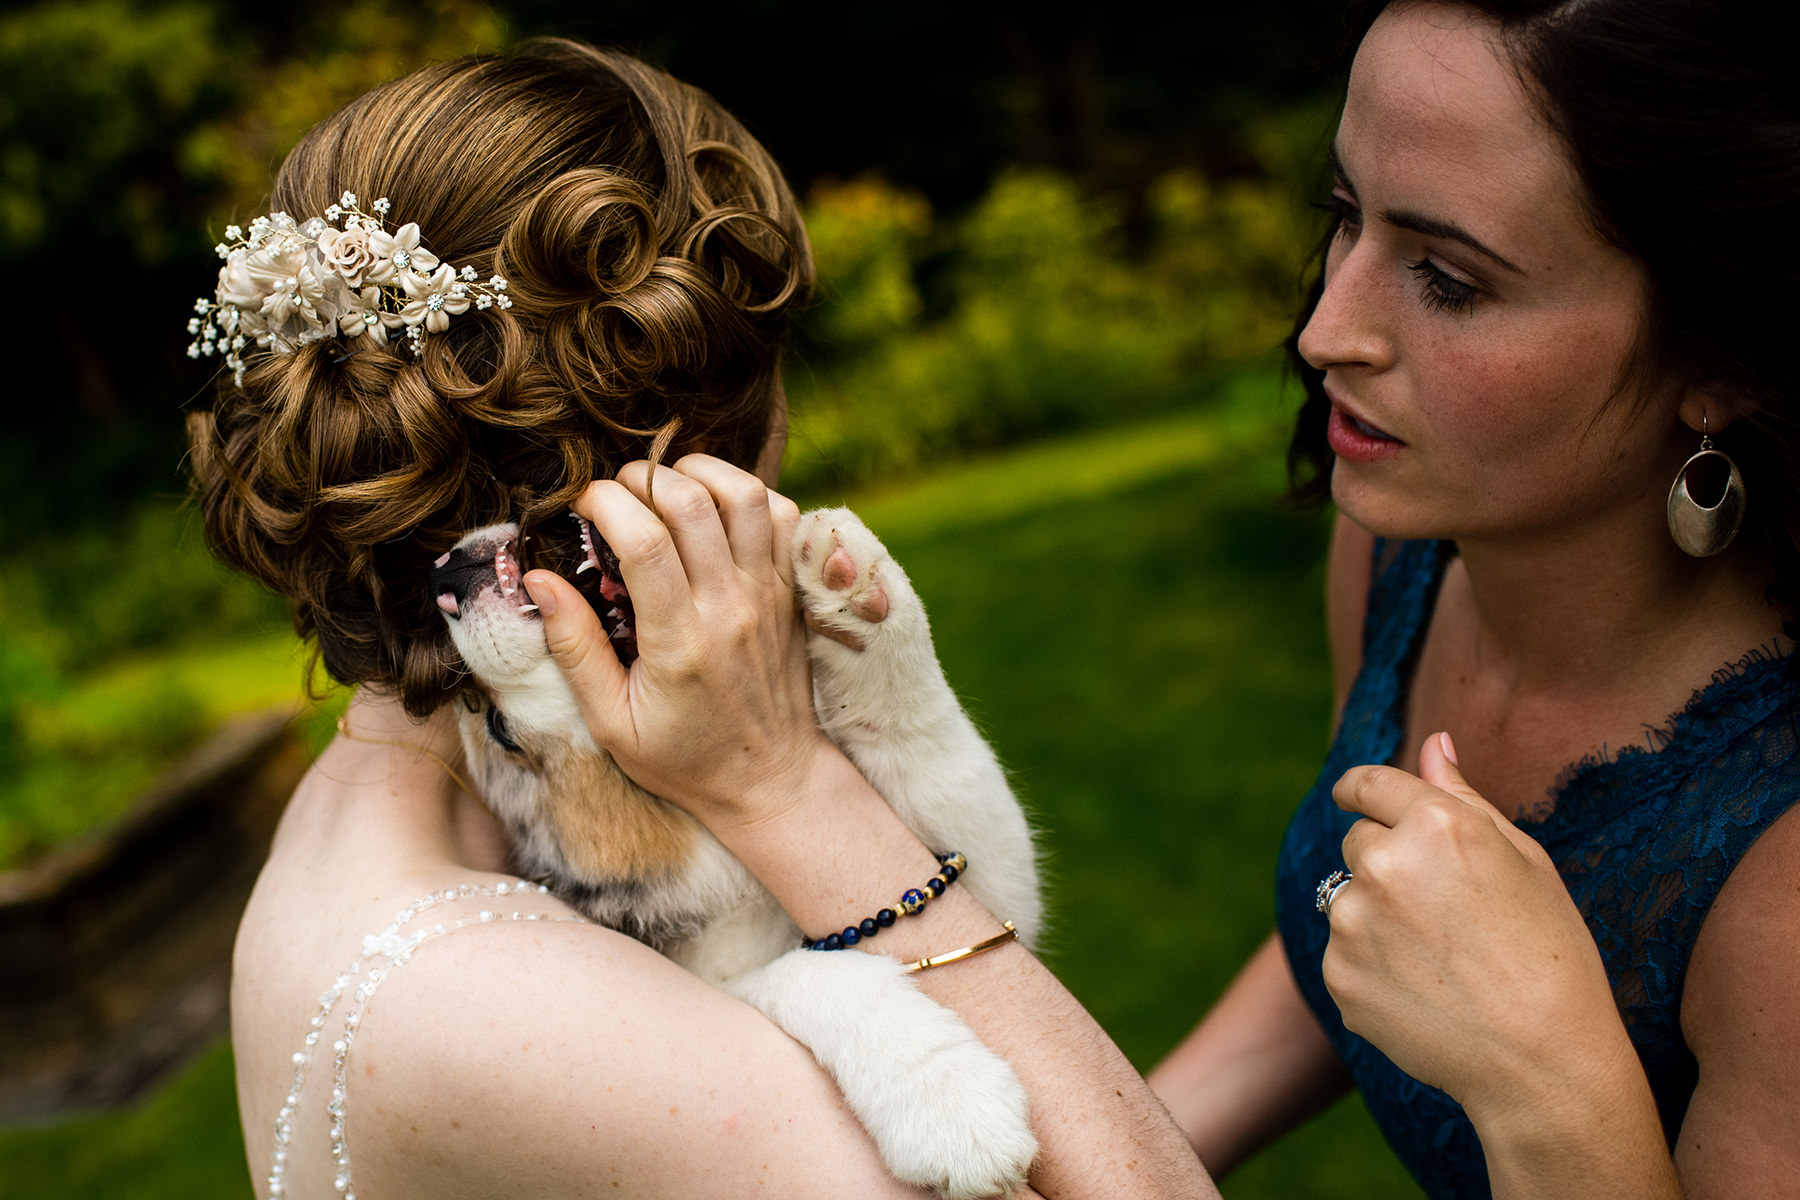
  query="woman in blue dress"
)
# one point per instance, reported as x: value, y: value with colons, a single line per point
x: 1542, y: 908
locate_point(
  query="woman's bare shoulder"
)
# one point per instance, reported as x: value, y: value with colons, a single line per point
x: 504, y: 1056
x: 548, y: 1057
x: 1743, y: 1124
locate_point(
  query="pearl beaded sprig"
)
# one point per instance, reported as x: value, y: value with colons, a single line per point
x: 391, y: 949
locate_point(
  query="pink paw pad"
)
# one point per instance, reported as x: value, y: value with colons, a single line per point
x: 840, y: 573
x: 872, y: 605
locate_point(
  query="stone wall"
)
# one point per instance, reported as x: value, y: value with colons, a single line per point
x: 115, y: 951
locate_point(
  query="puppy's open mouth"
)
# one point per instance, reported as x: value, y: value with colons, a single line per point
x: 495, y: 561
x: 461, y: 574
x: 598, y: 578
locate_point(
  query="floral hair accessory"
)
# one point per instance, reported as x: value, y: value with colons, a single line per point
x: 343, y: 274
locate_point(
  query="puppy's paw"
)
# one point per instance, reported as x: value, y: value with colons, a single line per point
x: 945, y: 1111
x: 848, y: 584
x: 963, y: 1129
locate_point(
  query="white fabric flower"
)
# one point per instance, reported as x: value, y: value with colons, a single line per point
x: 435, y: 299
x: 389, y: 943
x: 302, y: 305
x: 397, y: 255
x: 365, y: 316
x: 239, y: 287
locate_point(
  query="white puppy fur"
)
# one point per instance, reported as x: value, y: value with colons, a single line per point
x: 943, y: 1109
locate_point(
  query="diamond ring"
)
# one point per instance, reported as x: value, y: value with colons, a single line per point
x: 1328, y: 890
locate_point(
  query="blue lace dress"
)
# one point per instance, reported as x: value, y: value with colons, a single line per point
x: 1644, y: 840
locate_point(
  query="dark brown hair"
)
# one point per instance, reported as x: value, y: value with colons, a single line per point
x: 653, y: 253
x: 1683, y: 121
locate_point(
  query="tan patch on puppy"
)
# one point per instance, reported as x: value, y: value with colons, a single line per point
x: 608, y: 827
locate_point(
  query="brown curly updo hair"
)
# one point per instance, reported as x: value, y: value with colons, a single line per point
x: 653, y: 254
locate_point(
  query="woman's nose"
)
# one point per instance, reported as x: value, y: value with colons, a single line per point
x: 1345, y: 328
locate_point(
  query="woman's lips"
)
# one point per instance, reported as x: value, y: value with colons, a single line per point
x: 1357, y: 440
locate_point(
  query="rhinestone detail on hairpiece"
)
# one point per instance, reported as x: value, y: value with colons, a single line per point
x: 286, y: 284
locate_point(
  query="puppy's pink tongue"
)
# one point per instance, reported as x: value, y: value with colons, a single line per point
x: 447, y: 602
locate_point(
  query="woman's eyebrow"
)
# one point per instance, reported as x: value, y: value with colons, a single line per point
x: 1420, y: 223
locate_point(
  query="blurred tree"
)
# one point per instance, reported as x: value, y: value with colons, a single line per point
x: 131, y: 131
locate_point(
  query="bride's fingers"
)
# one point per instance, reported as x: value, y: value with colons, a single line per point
x: 648, y: 558
x: 581, y: 648
x: 784, y: 519
x: 691, y: 516
x: 743, y: 504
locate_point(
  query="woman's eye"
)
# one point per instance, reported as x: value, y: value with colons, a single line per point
x: 1441, y: 291
x: 1343, y: 209
x: 496, y: 727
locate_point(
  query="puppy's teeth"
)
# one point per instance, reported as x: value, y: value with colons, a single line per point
x: 528, y: 608
x: 586, y: 566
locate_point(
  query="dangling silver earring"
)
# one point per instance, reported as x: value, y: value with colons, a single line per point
x: 1703, y: 530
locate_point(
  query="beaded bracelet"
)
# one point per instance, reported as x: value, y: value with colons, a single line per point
x: 949, y: 867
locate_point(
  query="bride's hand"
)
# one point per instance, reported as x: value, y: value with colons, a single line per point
x: 716, y: 714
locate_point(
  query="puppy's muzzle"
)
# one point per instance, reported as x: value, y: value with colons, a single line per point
x: 478, y: 561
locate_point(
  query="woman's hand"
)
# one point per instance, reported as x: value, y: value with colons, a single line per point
x: 1456, y: 949
x: 716, y: 713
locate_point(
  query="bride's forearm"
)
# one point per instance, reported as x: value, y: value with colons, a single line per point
x: 832, y: 852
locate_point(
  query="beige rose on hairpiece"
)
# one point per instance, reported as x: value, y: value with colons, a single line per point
x: 346, y: 252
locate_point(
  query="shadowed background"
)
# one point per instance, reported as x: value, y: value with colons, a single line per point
x: 1056, y: 246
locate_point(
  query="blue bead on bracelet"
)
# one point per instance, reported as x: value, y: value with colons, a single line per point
x: 949, y: 867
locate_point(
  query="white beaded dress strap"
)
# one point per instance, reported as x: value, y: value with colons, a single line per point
x: 382, y: 954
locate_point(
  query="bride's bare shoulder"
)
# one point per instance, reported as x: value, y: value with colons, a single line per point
x: 510, y: 1054
x: 523, y: 1054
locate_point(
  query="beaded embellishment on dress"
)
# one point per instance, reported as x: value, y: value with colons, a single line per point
x: 382, y: 954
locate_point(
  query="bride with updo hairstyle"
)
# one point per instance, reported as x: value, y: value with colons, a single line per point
x: 486, y: 292
x: 653, y: 253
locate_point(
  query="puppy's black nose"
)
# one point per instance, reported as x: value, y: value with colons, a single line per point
x: 456, y: 575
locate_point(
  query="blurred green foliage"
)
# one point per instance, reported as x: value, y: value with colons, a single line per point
x: 1049, y: 315
x: 96, y: 91
x: 74, y: 747
x: 125, y: 124
x: 131, y: 132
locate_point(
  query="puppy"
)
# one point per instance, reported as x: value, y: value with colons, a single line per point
x: 944, y: 1110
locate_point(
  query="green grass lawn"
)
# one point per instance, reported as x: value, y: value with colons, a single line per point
x: 1136, y: 623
